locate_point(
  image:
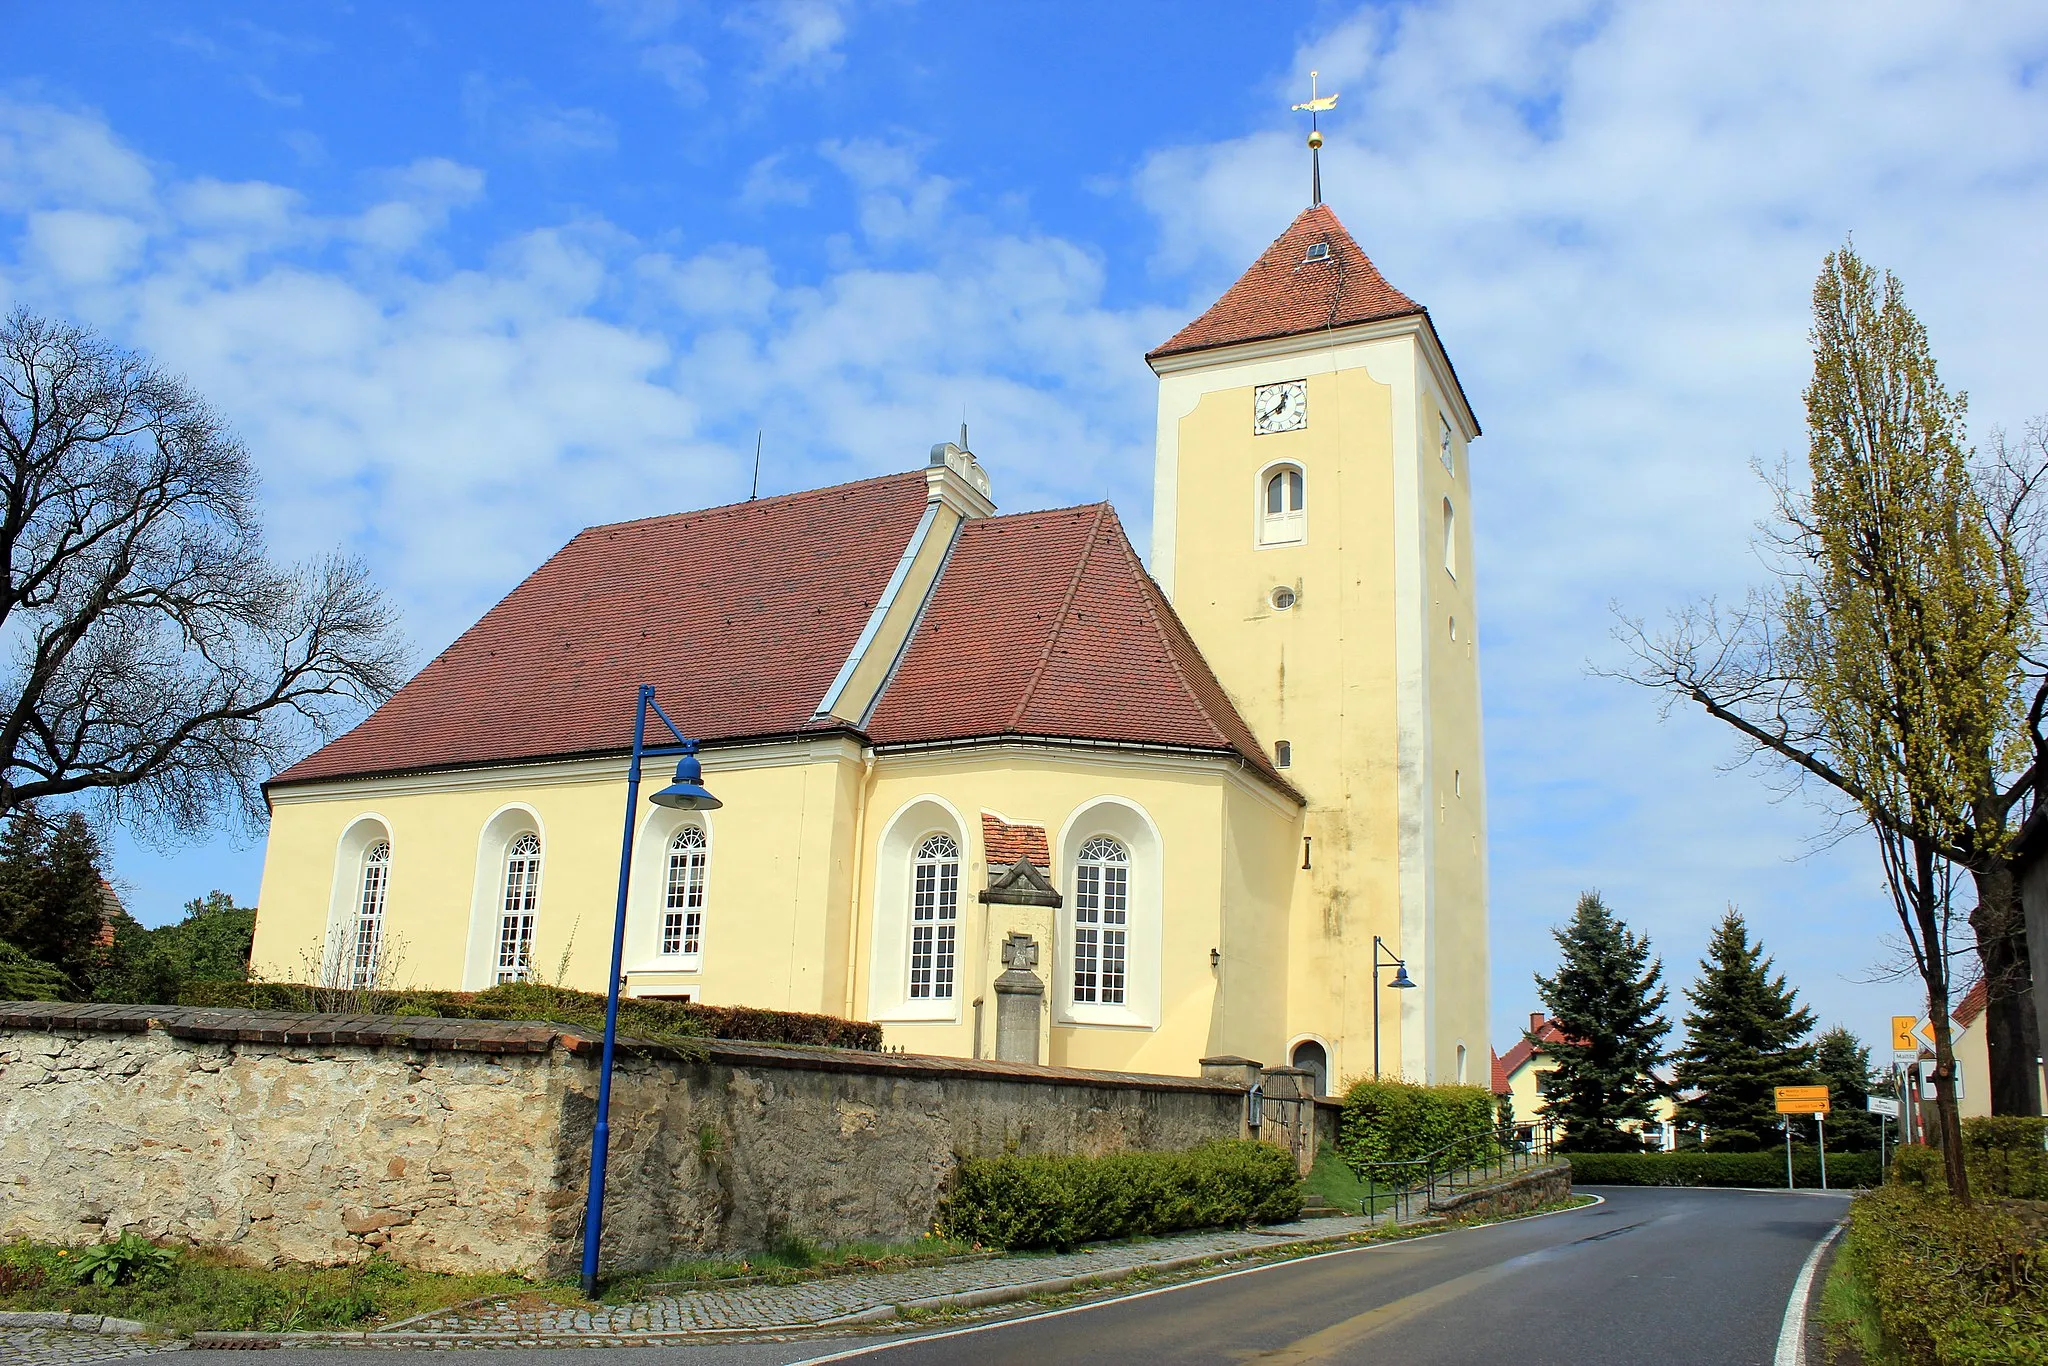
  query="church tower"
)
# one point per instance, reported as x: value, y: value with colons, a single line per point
x: 1312, y: 527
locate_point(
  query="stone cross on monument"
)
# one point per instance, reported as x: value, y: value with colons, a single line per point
x: 1020, y: 951
x: 1020, y: 996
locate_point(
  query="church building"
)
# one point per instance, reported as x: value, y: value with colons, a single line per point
x: 1216, y: 807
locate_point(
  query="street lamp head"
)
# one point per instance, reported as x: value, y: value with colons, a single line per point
x: 1402, y: 981
x: 687, y: 792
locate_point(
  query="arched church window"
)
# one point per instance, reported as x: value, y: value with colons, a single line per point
x: 682, y: 916
x: 518, y: 909
x: 1102, y: 914
x: 934, y: 917
x: 366, y: 941
x: 1281, y: 513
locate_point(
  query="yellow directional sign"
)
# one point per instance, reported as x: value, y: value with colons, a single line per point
x: 1802, y: 1100
x: 1902, y: 1033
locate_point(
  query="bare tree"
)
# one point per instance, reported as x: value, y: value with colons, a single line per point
x: 158, y: 662
x: 1890, y: 662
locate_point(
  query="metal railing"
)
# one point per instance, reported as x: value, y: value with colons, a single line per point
x: 1476, y: 1158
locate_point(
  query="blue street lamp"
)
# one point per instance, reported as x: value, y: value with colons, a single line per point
x: 1402, y: 982
x: 686, y: 793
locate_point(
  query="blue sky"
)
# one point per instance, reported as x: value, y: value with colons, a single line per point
x: 469, y: 277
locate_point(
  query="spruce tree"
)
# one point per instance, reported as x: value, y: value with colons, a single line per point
x: 1843, y: 1061
x: 1605, y: 998
x: 54, y: 905
x: 1745, y: 1036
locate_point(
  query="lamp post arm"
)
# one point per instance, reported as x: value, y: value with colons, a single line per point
x: 600, y: 1138
x: 681, y: 739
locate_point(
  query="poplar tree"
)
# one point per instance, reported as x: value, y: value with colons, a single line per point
x: 1745, y: 1037
x: 1605, y: 998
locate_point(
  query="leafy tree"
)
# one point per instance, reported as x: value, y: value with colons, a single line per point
x: 1744, y: 1038
x: 23, y: 978
x: 54, y: 902
x: 211, y: 944
x: 159, y: 662
x: 1605, y: 997
x: 1843, y: 1062
x: 1894, y: 662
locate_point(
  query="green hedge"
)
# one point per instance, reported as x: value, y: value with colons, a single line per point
x: 2002, y: 1154
x: 1949, y: 1283
x: 671, y: 1022
x: 1062, y: 1202
x: 1393, y: 1121
x: 1692, y: 1167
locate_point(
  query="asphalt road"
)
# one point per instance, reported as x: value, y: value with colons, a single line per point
x: 1699, y: 1277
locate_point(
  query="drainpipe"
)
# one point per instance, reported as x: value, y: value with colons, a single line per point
x: 860, y: 863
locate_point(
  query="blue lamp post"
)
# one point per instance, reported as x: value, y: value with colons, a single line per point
x: 1402, y: 982
x: 686, y: 793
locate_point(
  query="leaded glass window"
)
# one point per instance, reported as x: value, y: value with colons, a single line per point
x: 522, y: 901
x: 934, y: 917
x: 682, y: 915
x: 1102, y: 916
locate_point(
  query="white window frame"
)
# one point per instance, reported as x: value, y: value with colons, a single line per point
x: 686, y: 874
x: 1289, y: 526
x: 1128, y: 823
x: 1100, y: 965
x: 518, y: 910
x: 934, y: 967
x: 366, y: 930
x: 889, y: 911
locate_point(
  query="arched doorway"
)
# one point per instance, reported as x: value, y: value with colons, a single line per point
x: 1311, y: 1056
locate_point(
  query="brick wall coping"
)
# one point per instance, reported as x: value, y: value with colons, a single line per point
x: 431, y: 1033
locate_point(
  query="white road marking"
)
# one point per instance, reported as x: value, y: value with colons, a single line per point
x: 1792, y: 1334
x: 1170, y: 1289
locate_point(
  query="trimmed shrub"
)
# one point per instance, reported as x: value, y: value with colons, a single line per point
x: 1950, y: 1283
x: 1394, y: 1121
x: 1062, y: 1202
x: 669, y: 1022
x: 1695, y: 1168
x: 2003, y: 1155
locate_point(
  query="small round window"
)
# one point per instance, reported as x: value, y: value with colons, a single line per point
x: 1282, y: 598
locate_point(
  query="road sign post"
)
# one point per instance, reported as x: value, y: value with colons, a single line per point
x: 1803, y: 1100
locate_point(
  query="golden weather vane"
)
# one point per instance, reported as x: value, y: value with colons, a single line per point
x: 1317, y: 104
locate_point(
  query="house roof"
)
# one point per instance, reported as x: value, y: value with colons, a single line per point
x: 1045, y: 624
x: 1285, y: 294
x: 1972, y: 1005
x: 1005, y: 843
x: 1524, y: 1049
x: 1042, y: 625
x: 1500, y: 1074
x: 739, y: 615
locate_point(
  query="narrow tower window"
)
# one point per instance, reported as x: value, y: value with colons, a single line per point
x: 1284, y: 503
x: 1102, y: 901
x: 934, y: 917
x: 1283, y: 754
x: 368, y: 938
x: 682, y: 915
x: 522, y: 899
x: 1450, y: 539
x: 1443, y: 444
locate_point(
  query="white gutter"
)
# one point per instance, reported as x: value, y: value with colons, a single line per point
x: 882, y: 606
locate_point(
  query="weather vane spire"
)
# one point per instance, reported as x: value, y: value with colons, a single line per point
x: 1317, y: 104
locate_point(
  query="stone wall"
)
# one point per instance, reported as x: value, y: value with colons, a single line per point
x: 463, y: 1145
x: 1513, y: 1194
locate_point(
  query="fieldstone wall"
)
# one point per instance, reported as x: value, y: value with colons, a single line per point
x: 464, y: 1145
x: 1515, y: 1194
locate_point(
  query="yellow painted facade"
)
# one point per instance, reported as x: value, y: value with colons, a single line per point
x: 1252, y: 914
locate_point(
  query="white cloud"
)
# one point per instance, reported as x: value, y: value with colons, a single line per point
x: 510, y: 113
x: 767, y: 185
x: 795, y: 36
x: 1615, y: 215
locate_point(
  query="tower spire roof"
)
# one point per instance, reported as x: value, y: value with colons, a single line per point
x: 1294, y: 288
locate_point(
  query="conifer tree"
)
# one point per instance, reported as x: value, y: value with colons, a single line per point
x: 1745, y: 1036
x: 53, y: 902
x: 1843, y: 1061
x: 1605, y: 997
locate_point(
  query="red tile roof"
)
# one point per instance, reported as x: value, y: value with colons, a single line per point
x: 1523, y: 1050
x: 1046, y: 624
x: 1007, y: 843
x: 1972, y: 1005
x: 1500, y: 1075
x: 1285, y: 294
x: 741, y: 616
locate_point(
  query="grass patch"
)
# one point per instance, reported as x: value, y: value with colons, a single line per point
x: 206, y: 1289
x: 787, y: 1261
x: 1851, y: 1328
x: 1333, y: 1179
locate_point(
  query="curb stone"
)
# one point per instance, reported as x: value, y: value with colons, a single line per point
x: 71, y: 1323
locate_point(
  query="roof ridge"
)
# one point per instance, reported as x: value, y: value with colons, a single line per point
x: 728, y: 509
x: 1156, y: 600
x: 1059, y: 623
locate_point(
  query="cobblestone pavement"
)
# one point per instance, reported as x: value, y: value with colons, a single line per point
x: 809, y: 1303
x: 60, y: 1347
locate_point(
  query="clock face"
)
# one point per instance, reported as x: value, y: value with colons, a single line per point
x: 1280, y: 407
